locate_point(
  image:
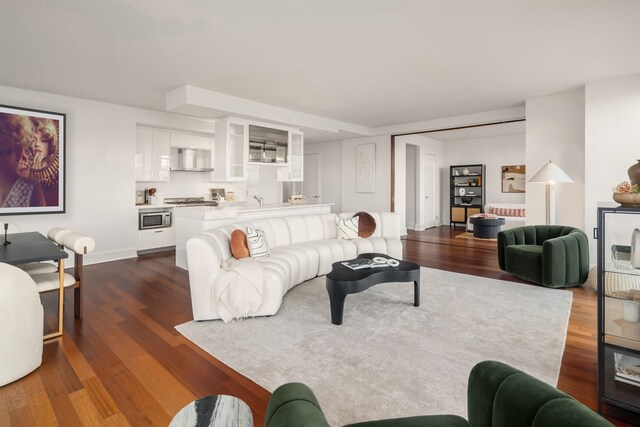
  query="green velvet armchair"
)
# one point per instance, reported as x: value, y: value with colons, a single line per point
x: 497, y: 396
x: 550, y: 255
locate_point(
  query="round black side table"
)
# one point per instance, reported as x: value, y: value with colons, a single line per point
x: 486, y: 228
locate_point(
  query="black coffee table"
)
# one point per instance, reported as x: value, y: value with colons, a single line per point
x: 342, y: 281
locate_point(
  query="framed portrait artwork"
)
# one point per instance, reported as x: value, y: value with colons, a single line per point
x: 32, y: 161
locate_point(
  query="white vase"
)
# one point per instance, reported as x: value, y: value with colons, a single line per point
x: 462, y: 192
x: 465, y: 171
x: 631, y: 311
x: 635, y: 248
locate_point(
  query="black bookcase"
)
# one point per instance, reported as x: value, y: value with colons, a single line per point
x: 618, y: 311
x: 467, y: 192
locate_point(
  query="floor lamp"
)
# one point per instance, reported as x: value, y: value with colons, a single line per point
x: 550, y: 175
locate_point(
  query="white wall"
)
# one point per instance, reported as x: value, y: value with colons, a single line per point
x: 612, y: 142
x: 100, y: 176
x: 330, y: 171
x: 379, y: 201
x: 493, y: 152
x: 425, y: 145
x: 555, y: 130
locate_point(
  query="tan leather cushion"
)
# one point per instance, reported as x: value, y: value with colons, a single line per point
x: 239, y: 248
x: 366, y: 224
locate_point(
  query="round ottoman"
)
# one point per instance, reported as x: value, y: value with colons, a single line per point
x: 486, y: 228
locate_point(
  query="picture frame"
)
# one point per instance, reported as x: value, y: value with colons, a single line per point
x: 366, y: 168
x: 32, y: 161
x: 514, y: 179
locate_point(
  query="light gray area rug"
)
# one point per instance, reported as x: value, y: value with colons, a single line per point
x: 389, y: 358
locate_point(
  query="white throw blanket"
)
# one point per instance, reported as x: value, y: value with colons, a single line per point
x: 238, y: 289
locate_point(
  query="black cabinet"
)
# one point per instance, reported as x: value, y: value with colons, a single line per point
x: 466, y: 192
x: 619, y: 306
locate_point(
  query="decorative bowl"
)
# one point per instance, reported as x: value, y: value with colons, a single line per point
x: 467, y: 199
x: 627, y: 199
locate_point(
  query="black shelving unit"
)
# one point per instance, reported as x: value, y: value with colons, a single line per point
x: 618, y: 315
x: 467, y: 192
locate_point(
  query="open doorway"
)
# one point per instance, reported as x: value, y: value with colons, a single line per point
x: 497, y: 146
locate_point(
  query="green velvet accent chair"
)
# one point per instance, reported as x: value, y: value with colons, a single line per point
x: 549, y: 255
x: 497, y: 396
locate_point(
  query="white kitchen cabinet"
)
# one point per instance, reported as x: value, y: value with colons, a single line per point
x: 231, y: 150
x: 156, y: 238
x: 293, y: 171
x: 152, y: 159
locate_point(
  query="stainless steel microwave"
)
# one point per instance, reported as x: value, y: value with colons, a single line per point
x: 154, y: 219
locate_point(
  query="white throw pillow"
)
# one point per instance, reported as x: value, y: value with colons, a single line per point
x: 347, y: 228
x: 257, y: 243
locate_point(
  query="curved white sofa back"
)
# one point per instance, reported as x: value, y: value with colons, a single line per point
x: 302, y: 247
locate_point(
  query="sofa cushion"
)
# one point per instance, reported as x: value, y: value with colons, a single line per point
x: 525, y: 261
x: 366, y: 224
x: 258, y: 246
x: 347, y: 228
x: 239, y: 246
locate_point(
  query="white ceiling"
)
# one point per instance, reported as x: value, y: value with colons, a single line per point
x: 367, y: 62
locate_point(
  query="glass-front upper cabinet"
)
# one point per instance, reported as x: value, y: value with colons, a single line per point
x: 296, y: 159
x: 231, y: 150
x: 619, y: 306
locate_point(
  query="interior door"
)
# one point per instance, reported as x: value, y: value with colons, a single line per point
x: 311, y: 183
x: 430, y: 176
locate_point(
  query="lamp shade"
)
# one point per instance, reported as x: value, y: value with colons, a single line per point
x: 551, y: 173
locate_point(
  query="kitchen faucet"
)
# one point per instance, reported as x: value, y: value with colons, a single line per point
x: 259, y: 199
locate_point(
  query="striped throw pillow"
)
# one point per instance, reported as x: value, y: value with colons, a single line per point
x: 347, y: 228
x: 257, y: 243
x: 508, y: 211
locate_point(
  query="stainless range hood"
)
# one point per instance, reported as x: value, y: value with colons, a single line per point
x: 190, y: 160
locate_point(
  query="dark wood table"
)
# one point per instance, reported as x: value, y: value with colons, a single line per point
x: 342, y: 281
x: 34, y: 247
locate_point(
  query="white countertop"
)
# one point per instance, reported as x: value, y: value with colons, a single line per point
x: 219, y: 212
x: 157, y: 206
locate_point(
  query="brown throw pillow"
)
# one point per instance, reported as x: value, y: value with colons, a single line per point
x: 366, y: 224
x: 239, y: 248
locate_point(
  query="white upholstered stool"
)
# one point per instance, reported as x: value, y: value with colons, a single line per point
x: 21, y: 324
x: 80, y: 245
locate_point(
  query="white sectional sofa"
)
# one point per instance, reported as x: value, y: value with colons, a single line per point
x: 302, y: 247
x: 509, y: 221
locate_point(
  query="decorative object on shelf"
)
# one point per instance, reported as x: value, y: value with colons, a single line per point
x: 366, y: 168
x: 35, y: 141
x: 634, y: 174
x: 298, y: 199
x: 465, y: 171
x: 456, y: 173
x: 471, y: 193
x: 630, y: 304
x: 467, y: 200
x: 551, y: 174
x: 635, y: 248
x: 627, y: 194
x: 513, y: 179
x: 462, y: 191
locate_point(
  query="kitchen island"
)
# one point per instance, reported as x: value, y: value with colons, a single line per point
x: 191, y: 221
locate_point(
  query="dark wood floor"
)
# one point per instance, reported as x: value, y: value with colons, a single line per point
x: 125, y: 364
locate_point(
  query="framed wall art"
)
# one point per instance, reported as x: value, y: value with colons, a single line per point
x: 514, y: 179
x: 32, y: 161
x: 366, y: 168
